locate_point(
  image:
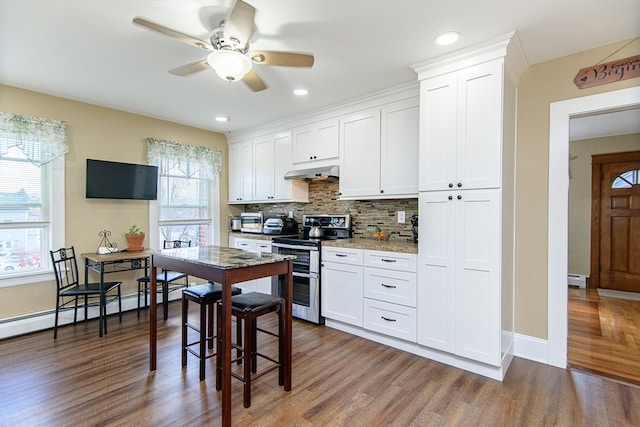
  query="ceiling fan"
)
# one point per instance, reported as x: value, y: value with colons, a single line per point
x: 230, y: 57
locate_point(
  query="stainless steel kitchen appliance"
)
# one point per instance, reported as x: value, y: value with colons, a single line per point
x: 280, y: 224
x: 306, y: 267
x: 251, y: 222
x: 235, y: 223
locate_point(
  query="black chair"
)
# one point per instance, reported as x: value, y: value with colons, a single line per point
x: 248, y: 308
x: 206, y: 296
x: 70, y: 289
x: 165, y: 280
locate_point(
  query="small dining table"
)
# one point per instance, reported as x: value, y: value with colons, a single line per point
x: 226, y: 266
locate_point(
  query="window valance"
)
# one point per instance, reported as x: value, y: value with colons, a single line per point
x: 40, y: 139
x: 208, y: 160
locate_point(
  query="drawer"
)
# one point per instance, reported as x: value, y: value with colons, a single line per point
x: 390, y: 319
x: 391, y: 260
x: 391, y: 286
x: 342, y: 255
x: 262, y: 246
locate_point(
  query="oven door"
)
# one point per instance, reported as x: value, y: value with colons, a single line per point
x: 307, y: 257
x: 306, y: 296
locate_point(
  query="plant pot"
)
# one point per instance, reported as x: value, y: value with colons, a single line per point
x: 134, y: 242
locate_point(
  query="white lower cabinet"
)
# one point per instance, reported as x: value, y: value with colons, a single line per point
x: 342, y: 281
x: 262, y: 285
x: 357, y: 292
x: 459, y: 293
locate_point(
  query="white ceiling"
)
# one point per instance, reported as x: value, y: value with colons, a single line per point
x: 90, y: 51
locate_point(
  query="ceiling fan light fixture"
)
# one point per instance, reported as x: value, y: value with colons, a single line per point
x: 447, y: 38
x: 229, y: 64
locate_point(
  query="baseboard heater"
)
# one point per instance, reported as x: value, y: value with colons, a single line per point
x: 579, y: 280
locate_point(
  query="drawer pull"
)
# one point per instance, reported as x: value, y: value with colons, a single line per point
x: 387, y: 319
x: 388, y: 286
x: 341, y: 255
x: 388, y: 260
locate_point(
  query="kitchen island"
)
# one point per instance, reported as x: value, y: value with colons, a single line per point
x: 225, y: 266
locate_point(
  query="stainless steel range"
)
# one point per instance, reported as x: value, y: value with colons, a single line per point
x: 306, y: 267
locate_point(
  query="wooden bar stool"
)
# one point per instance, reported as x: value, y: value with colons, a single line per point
x: 248, y: 308
x: 206, y: 296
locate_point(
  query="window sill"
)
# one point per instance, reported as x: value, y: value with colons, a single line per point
x: 25, y: 278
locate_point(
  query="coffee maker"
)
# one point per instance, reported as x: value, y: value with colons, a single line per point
x: 414, y: 227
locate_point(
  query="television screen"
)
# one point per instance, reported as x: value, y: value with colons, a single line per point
x: 113, y: 180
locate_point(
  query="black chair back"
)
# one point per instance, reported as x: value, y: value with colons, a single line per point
x: 168, y: 244
x: 65, y: 267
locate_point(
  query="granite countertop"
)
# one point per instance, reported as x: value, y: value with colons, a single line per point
x: 403, y: 246
x: 222, y: 257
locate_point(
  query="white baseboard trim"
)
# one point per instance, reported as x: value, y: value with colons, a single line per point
x: 34, y: 322
x: 531, y: 348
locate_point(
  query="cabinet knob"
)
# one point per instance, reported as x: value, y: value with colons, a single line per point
x: 451, y: 185
x: 381, y: 191
x: 314, y: 157
x: 459, y: 197
x: 459, y: 185
x: 310, y: 157
x: 450, y: 197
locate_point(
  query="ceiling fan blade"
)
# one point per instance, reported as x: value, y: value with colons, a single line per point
x: 254, y: 81
x: 285, y: 59
x: 194, y: 67
x: 239, y: 24
x: 184, y: 38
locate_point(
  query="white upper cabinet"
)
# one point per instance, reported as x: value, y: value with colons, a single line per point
x: 360, y: 154
x: 461, y: 145
x: 240, y: 172
x: 399, y: 140
x: 257, y: 169
x: 316, y: 142
x: 379, y: 151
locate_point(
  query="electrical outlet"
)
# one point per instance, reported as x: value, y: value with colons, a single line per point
x: 290, y: 214
x: 401, y: 217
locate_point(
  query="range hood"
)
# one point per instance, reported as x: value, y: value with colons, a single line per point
x: 329, y: 173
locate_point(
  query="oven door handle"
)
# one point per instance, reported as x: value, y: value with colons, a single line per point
x: 295, y: 247
x: 306, y: 275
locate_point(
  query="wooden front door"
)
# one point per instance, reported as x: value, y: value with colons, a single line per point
x: 616, y: 221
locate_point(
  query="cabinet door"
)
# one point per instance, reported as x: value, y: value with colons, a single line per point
x: 436, y: 271
x: 399, y: 147
x: 315, y: 142
x: 479, y: 130
x: 360, y: 154
x: 263, y: 168
x: 240, y: 172
x: 478, y: 275
x: 282, y: 149
x: 438, y: 117
x: 341, y: 293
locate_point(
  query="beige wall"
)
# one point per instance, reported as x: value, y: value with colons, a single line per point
x: 580, y: 153
x: 541, y: 85
x: 98, y: 133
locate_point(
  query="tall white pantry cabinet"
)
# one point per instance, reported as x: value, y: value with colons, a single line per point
x: 466, y: 205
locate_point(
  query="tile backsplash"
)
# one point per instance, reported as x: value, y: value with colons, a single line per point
x: 366, y: 215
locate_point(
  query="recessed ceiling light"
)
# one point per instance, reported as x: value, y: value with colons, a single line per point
x: 300, y: 92
x: 223, y: 119
x: 447, y: 38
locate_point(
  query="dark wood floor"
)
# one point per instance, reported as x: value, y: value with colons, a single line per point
x: 604, y: 335
x: 338, y: 380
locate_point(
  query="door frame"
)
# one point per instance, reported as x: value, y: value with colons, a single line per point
x: 596, y: 188
x: 560, y: 114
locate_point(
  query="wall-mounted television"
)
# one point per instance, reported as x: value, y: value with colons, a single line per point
x: 114, y: 180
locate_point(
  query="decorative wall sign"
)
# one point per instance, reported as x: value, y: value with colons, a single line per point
x: 609, y: 72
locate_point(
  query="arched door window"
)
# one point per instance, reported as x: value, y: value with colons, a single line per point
x: 626, y: 179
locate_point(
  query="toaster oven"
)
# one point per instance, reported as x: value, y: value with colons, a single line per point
x: 251, y: 222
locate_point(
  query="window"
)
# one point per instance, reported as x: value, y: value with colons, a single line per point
x: 31, y: 197
x: 626, y: 180
x: 187, y: 193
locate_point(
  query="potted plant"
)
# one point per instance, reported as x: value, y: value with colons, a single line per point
x: 134, y: 237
